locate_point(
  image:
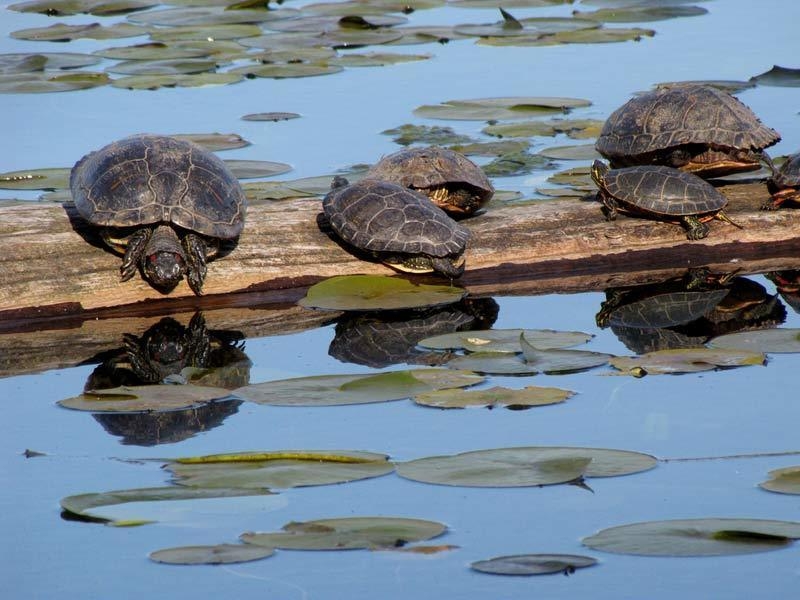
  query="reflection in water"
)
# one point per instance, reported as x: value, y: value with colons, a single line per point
x: 380, y: 339
x: 788, y: 285
x: 169, y: 351
x: 687, y: 312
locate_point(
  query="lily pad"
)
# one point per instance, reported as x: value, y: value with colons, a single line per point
x: 348, y: 533
x: 331, y: 390
x: 487, y: 109
x: 374, y: 7
x: 641, y: 14
x: 250, y: 169
x: 533, y: 564
x: 220, y: 554
x: 82, y: 504
x: 769, y: 341
x: 695, y: 537
x: 581, y: 36
x: 209, y: 15
x: 732, y: 86
x: 270, y: 116
x: 61, y: 32
x: 323, y: 23
x: 377, y: 59
x: 505, y: 340
x: 561, y: 361
x: 214, y: 141
x: 157, y: 398
x: 425, y: 34
x: 284, y: 71
x: 53, y: 8
x: 39, y: 61
x: 154, y: 82
x: 502, y: 148
x: 574, y: 128
x: 150, y: 51
x: 278, y: 470
x: 493, y: 363
x: 425, y: 134
x: 783, y: 481
x: 778, y: 76
x: 41, y: 83
x: 214, y: 33
x: 515, y: 163
x: 163, y: 67
x: 582, y: 152
x: 493, y: 397
x: 686, y: 360
x: 377, y: 292
x: 35, y: 179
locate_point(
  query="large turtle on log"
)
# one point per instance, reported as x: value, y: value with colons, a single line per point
x: 164, y: 204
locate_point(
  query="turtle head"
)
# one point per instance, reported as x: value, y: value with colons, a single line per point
x: 339, y: 182
x: 164, y: 269
x: 599, y: 170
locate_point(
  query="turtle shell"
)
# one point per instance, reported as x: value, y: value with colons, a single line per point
x: 148, y: 179
x: 450, y: 179
x: 381, y: 216
x: 649, y: 126
x: 662, y: 190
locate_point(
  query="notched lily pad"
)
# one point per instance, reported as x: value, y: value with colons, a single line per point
x: 154, y: 82
x: 560, y: 361
x: 581, y: 152
x: 769, y: 341
x: 533, y: 564
x: 251, y: 169
x: 163, y: 67
x: 487, y: 109
x: 377, y: 59
x: 209, y: 15
x: 288, y: 70
x: 35, y: 179
x: 215, y: 141
x: 695, y: 537
x: 493, y: 397
x: 53, y: 8
x: 220, y: 554
x: 41, y: 83
x: 156, y: 398
x: 348, y: 533
x: 686, y: 360
x: 377, y: 292
x: 61, y: 32
x: 640, y: 14
x: 505, y: 340
x: 783, y: 481
x: 270, y: 116
x: 207, y: 33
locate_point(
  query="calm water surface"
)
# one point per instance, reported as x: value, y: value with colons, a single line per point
x: 743, y: 411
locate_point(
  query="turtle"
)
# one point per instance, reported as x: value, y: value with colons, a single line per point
x: 784, y: 185
x: 696, y: 128
x: 661, y: 193
x: 165, y: 204
x: 397, y: 225
x: 452, y: 181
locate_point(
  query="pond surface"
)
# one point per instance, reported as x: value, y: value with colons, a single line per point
x: 734, y: 422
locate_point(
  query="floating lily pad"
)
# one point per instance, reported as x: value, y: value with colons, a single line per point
x: 560, y: 361
x: 533, y: 26
x: 581, y: 36
x: 35, y: 179
x: 574, y: 128
x: 695, y: 537
x: 348, y: 533
x: 641, y: 14
x: 305, y: 187
x: 515, y: 163
x: 150, y: 51
x: 486, y: 109
x: 779, y: 76
x: 582, y: 152
x: 374, y: 7
x: 156, y: 398
x: 209, y: 15
x: 493, y: 363
x: 153, y: 82
x: 505, y: 340
x: 82, y: 504
x: 283, y: 71
x: 61, y: 32
x: 323, y: 23
x: 214, y: 33
x: 769, y: 341
x: 278, y: 470
x: 270, y: 116
x: 41, y: 83
x: 215, y: 141
x: 377, y: 59
x: 506, y: 3
x: 331, y: 390
x: 425, y: 34
x: 163, y: 67
x: 426, y: 134
x: 533, y: 564
x: 27, y: 63
x: 686, y: 360
x: 250, y: 169
x: 783, y: 481
x: 377, y: 292
x: 220, y: 554
x: 503, y: 149
x: 61, y: 8
x: 493, y: 397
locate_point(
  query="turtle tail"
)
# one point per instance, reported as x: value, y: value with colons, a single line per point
x: 723, y: 217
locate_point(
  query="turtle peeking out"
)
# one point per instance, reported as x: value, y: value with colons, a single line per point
x: 397, y: 225
x: 163, y: 203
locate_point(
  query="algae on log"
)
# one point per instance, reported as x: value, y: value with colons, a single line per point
x: 48, y: 268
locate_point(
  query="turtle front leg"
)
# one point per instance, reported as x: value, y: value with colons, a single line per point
x: 695, y: 228
x: 134, y: 252
x: 610, y: 208
x: 196, y: 249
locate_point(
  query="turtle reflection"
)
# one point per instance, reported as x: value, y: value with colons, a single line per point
x: 788, y: 285
x: 688, y: 311
x: 169, y: 351
x: 380, y: 339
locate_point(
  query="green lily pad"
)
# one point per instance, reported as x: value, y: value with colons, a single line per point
x: 163, y: 67
x: 502, y: 148
x: 425, y: 34
x: 533, y: 564
x: 141, y: 398
x: 425, y: 134
x: 533, y: 26
x: 214, y: 141
x: 374, y: 7
x: 153, y: 82
x: 61, y: 32
x: 82, y: 504
x: 577, y: 177
x: 493, y: 397
x: 574, y: 128
x: 39, y: 61
x: 768, y: 341
x: 515, y: 163
x: 581, y: 152
x: 250, y: 169
x: 778, y: 76
x: 347, y: 533
x: 305, y: 187
x: 319, y: 23
x: 377, y: 292
x: 493, y: 363
x: 783, y: 481
x: 641, y: 14
x: 220, y: 554
x: 35, y: 179
x: 581, y: 36
x: 60, y: 8
x: 283, y: 71
x: 506, y: 3
x: 377, y: 59
x: 686, y: 360
x: 214, y: 33
x: 695, y: 537
x: 41, y: 83
x: 331, y: 390
x: 278, y: 470
x: 487, y: 109
x: 150, y: 51
x: 560, y: 361
x: 505, y: 340
x: 270, y: 116
x: 195, y: 16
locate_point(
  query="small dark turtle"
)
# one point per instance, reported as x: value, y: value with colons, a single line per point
x: 163, y: 203
x: 696, y: 128
x: 452, y: 181
x: 784, y: 185
x: 660, y: 193
x: 399, y: 226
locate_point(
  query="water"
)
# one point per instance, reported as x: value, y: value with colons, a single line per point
x: 743, y: 411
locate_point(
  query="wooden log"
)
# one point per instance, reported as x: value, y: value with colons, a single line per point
x: 51, y: 264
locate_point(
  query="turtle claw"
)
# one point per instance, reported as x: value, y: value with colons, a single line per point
x: 133, y: 253
x: 195, y: 249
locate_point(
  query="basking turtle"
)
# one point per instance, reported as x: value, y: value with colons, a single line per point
x: 399, y: 226
x: 660, y: 193
x: 784, y: 185
x: 696, y: 128
x: 452, y: 181
x: 163, y: 203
